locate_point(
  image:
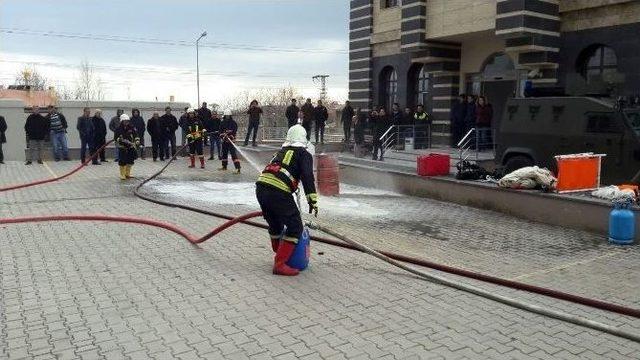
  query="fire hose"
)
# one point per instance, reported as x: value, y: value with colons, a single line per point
x: 390, y: 258
x: 57, y: 178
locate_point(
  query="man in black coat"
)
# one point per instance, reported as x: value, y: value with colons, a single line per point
x: 307, y: 117
x: 154, y: 128
x: 320, y: 115
x: 204, y: 113
x: 292, y: 113
x: 347, y: 115
x: 85, y: 128
x: 3, y: 138
x: 138, y: 122
x: 99, y: 136
x: 213, y: 132
x: 458, y: 115
x: 169, y: 125
x: 36, y: 128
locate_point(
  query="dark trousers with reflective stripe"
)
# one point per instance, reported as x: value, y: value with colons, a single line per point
x: 279, y: 210
x: 227, y: 148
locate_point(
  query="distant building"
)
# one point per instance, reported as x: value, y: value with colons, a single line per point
x: 429, y: 51
x: 42, y: 98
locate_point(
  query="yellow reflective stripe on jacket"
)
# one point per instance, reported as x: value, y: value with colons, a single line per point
x: 287, y: 157
x: 288, y: 174
x: 272, y: 180
x: 313, y: 197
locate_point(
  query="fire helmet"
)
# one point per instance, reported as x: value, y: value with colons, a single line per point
x: 296, y: 137
x: 190, y: 110
x: 124, y: 117
x: 227, y: 112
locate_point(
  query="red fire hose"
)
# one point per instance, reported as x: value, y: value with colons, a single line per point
x: 45, y: 181
x: 598, y: 304
x: 134, y: 220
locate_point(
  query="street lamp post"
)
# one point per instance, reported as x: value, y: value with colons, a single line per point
x: 198, y: 65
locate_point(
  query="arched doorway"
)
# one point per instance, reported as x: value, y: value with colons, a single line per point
x: 419, y: 87
x: 388, y: 87
x: 497, y: 81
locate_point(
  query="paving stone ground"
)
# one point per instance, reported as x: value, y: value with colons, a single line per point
x: 104, y: 290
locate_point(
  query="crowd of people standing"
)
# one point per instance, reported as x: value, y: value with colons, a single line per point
x: 469, y: 112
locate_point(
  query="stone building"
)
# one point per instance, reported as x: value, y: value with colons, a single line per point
x: 429, y: 51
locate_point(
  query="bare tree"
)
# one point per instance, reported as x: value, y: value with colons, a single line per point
x: 265, y: 96
x: 29, y: 76
x: 88, y: 84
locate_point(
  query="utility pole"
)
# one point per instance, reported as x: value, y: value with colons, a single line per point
x: 323, y: 85
x: 198, y: 66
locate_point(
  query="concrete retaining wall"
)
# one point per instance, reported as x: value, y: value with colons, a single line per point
x: 554, y: 209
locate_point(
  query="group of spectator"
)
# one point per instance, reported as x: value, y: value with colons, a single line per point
x: 411, y: 124
x: 308, y: 115
x: 469, y: 112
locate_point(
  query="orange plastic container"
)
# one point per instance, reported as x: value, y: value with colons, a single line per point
x: 579, y: 172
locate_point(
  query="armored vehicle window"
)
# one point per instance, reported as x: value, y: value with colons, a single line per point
x: 633, y: 118
x: 603, y: 123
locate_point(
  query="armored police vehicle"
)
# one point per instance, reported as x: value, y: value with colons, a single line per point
x: 533, y: 130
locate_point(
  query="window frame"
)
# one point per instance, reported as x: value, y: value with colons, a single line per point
x: 390, y: 88
x: 389, y: 4
x: 599, y: 51
x: 597, y: 129
x: 423, y: 91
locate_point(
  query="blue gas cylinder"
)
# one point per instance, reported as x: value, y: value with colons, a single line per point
x: 300, y: 257
x: 622, y: 224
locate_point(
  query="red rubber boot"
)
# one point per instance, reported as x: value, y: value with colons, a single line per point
x: 283, y: 254
x: 201, y: 162
x: 193, y: 161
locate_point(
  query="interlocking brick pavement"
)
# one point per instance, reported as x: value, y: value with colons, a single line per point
x: 100, y: 290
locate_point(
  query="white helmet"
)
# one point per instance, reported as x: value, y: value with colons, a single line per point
x: 190, y: 110
x: 296, y: 137
x: 124, y: 117
x: 227, y: 112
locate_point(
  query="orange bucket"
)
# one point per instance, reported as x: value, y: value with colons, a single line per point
x: 579, y: 172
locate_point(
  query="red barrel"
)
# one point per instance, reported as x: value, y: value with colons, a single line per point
x: 327, y: 175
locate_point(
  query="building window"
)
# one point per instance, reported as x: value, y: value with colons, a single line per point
x: 597, y: 60
x: 424, y: 87
x: 390, y: 86
x: 390, y: 3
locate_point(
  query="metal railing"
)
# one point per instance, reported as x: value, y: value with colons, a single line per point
x: 279, y: 133
x: 407, y: 137
x: 475, y: 141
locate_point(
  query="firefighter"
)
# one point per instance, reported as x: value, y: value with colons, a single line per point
x: 279, y: 180
x: 228, y: 130
x: 195, y: 138
x: 128, y: 142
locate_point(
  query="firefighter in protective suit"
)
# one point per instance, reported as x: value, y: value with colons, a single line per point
x: 195, y: 138
x: 128, y: 141
x: 279, y: 180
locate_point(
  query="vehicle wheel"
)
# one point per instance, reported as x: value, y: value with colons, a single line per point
x: 517, y: 162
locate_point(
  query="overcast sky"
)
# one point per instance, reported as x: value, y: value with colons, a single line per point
x: 251, y: 44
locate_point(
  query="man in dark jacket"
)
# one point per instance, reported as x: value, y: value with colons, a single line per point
x: 138, y: 122
x: 213, y: 132
x: 458, y: 114
x: 292, y: 113
x: 99, y: 136
x: 85, y: 128
x: 113, y: 126
x: 347, y: 115
x: 380, y: 126
x: 58, y: 133
x: 184, y: 119
x: 204, y: 113
x: 320, y: 115
x: 396, y: 115
x: 307, y: 117
x: 470, y: 114
x: 3, y: 137
x: 169, y: 125
x: 154, y: 128
x: 36, y: 128
x: 255, y: 111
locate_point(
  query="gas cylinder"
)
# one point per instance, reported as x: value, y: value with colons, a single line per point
x: 622, y: 222
x: 300, y: 257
